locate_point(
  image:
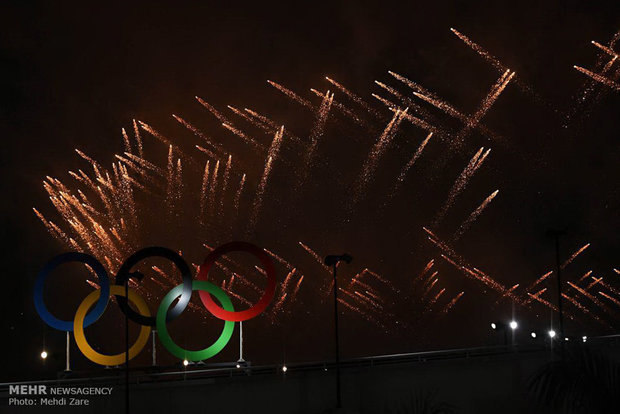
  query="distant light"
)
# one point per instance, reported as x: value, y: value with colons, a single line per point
x: 533, y: 334
x: 513, y: 325
x: 584, y: 338
x: 185, y: 362
x: 493, y: 325
x: 566, y: 339
x: 238, y: 366
x: 44, y: 353
x: 552, y: 333
x: 284, y: 368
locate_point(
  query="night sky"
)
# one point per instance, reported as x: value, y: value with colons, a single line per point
x: 74, y: 74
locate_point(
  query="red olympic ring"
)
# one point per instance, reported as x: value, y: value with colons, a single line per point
x: 264, y: 301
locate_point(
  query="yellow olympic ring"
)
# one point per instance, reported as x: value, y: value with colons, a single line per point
x: 80, y: 338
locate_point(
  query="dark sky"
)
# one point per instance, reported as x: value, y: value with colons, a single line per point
x: 74, y: 74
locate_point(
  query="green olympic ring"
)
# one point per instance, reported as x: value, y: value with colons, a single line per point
x: 167, y: 340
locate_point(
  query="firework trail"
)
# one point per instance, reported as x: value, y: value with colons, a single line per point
x: 214, y: 146
x: 136, y: 132
x: 500, y: 67
x: 592, y: 298
x: 474, y: 273
x: 314, y: 255
x: 225, y: 180
x: 414, y: 120
x: 291, y: 95
x: 486, y: 104
x: 585, y: 275
x: 296, y: 290
x: 237, y: 200
x: 358, y: 100
x: 473, y: 216
x: 381, y: 279
x: 155, y: 133
x: 535, y: 295
x: 404, y: 100
x: 213, y: 187
x: 258, y: 200
x: 508, y: 292
x: 428, y: 267
x: 252, y: 120
x: 594, y: 282
x: 451, y: 304
x: 581, y: 307
x: 213, y: 111
x: 544, y: 302
x: 614, y: 300
x: 280, y: 259
x: 430, y: 277
x: 126, y: 140
x: 478, y: 49
x: 274, y: 127
x: 391, y: 105
x: 342, y: 108
x: 461, y: 182
x: 209, y: 153
x: 611, y: 289
x: 539, y: 280
x: 574, y: 256
x: 144, y: 163
x: 318, y: 128
x: 434, y: 300
x: 600, y: 78
x: 203, y: 190
x: 378, y: 150
x: 87, y: 158
x: 243, y: 136
x: 605, y: 49
x: 403, y: 173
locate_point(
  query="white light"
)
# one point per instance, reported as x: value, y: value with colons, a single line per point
x: 552, y: 333
x: 493, y: 326
x: 238, y: 366
x: 584, y: 338
x: 566, y: 339
x: 185, y: 362
x: 513, y: 325
x: 44, y: 354
x: 533, y: 334
x: 284, y: 368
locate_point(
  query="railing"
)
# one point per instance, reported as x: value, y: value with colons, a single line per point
x: 203, y: 371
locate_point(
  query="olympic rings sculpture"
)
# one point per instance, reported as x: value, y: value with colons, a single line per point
x: 98, y: 301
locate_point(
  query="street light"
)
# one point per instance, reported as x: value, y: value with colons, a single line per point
x: 533, y: 334
x: 552, y: 333
x: 333, y: 260
x: 284, y: 368
x: 44, y: 354
x: 513, y: 325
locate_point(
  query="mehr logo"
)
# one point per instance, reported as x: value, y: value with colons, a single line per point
x: 98, y: 301
x: 27, y: 390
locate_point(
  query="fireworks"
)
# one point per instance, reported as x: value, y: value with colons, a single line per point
x: 574, y: 255
x: 462, y: 181
x: 223, y: 183
x: 474, y: 215
x: 600, y: 78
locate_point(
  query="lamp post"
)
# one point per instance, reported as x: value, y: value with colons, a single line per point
x: 333, y: 260
x: 556, y: 235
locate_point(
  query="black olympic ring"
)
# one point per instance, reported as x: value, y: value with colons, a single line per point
x: 123, y: 275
